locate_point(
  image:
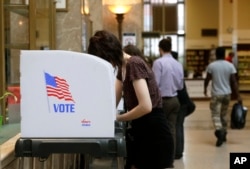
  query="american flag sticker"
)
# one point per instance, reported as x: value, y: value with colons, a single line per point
x: 57, y: 87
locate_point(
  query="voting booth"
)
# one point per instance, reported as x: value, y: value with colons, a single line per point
x: 67, y: 100
x: 66, y: 94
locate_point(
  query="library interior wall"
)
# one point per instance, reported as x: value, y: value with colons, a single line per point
x: 199, y: 15
x: 243, y: 15
x: 68, y: 27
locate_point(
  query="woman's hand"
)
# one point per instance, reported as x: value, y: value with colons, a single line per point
x: 118, y: 117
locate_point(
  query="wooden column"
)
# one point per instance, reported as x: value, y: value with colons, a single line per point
x: 2, y: 62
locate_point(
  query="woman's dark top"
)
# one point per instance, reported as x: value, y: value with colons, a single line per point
x: 137, y: 68
x: 152, y: 145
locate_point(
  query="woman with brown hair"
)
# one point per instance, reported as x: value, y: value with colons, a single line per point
x: 153, y: 142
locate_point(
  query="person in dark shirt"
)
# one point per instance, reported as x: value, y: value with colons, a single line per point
x: 153, y: 142
x: 173, y: 53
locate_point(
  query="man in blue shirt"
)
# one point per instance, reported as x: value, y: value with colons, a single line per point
x: 169, y: 77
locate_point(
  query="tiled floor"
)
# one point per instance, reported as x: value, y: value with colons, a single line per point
x: 200, y: 150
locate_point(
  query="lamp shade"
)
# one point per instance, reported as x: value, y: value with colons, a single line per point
x: 120, y: 6
x: 85, y: 7
x: 121, y: 2
x: 119, y: 9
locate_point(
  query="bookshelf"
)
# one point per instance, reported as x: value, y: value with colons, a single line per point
x: 197, y: 59
x: 243, y: 53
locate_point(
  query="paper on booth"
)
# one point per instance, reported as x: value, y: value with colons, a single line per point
x: 66, y: 94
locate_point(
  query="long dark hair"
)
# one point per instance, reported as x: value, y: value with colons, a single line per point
x: 106, y: 46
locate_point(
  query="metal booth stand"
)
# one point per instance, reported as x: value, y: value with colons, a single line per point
x: 87, y: 147
x: 69, y: 108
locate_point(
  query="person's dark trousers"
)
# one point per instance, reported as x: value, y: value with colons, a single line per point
x: 171, y: 107
x: 179, y: 149
x: 129, y: 147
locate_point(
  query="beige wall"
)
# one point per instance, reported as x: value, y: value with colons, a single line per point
x: 132, y: 22
x: 226, y: 16
x: 216, y: 14
x: 68, y: 27
x: 243, y: 14
x: 243, y: 21
x: 200, y: 15
x: 96, y: 14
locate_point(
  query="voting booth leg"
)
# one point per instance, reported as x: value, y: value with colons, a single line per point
x: 120, y: 162
x: 23, y: 162
x: 87, y: 160
x: 20, y: 162
x: 76, y: 164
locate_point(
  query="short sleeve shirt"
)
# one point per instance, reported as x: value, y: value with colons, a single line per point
x: 221, y: 71
x: 136, y: 68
